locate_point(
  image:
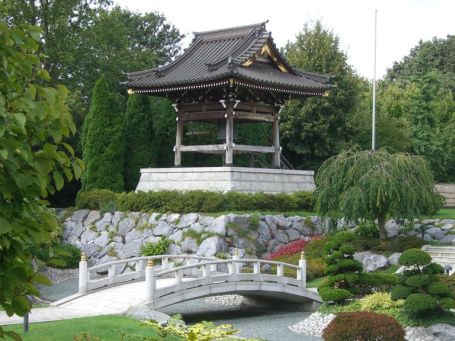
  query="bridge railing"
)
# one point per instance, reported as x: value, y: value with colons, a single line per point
x: 112, y: 273
x: 233, y: 270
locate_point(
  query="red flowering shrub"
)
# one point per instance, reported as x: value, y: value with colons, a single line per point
x: 363, y: 326
x: 289, y: 249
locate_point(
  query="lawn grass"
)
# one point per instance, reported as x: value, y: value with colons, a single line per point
x: 105, y: 327
x: 445, y: 213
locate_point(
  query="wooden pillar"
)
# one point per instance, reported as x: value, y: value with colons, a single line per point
x: 276, y: 163
x: 178, y: 141
x: 229, y: 157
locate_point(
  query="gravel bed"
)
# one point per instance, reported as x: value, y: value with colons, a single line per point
x: 314, y: 325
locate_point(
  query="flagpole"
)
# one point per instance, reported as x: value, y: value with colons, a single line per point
x: 373, y: 121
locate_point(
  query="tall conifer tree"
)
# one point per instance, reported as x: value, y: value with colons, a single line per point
x: 138, y: 139
x: 103, y: 141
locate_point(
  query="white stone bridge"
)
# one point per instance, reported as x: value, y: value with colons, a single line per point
x: 160, y: 281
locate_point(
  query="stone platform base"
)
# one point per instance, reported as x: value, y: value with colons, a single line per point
x: 225, y: 179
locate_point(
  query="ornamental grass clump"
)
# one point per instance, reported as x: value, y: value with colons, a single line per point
x: 420, y: 285
x: 363, y: 326
x: 342, y: 269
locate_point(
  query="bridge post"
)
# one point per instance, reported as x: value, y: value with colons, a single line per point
x: 257, y: 268
x: 149, y: 280
x: 83, y: 274
x: 279, y: 270
x: 301, y: 274
x: 165, y: 263
x: 235, y: 265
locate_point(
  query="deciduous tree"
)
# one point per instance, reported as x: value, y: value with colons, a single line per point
x: 376, y: 185
x: 34, y: 161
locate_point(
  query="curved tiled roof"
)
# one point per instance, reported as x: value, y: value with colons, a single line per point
x: 231, y: 53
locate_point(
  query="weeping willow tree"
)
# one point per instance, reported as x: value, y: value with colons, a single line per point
x: 376, y: 185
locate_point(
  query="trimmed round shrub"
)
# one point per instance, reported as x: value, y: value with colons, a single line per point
x: 334, y: 295
x: 438, y: 289
x: 418, y: 281
x: 420, y: 304
x: 363, y: 326
x: 433, y: 269
x: 414, y: 257
x: 400, y: 292
x: 373, y: 282
x: 95, y: 198
x: 447, y: 303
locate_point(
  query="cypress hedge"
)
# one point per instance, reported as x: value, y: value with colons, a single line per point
x: 103, y: 141
x: 138, y: 139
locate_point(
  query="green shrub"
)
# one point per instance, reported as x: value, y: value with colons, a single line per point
x: 95, y: 199
x: 372, y: 282
x: 378, y: 301
x: 413, y: 257
x: 193, y: 201
x: 417, y: 281
x: 334, y: 295
x: 447, y: 303
x: 156, y: 248
x: 433, y: 269
x: 438, y: 289
x: 367, y: 229
x: 400, y: 292
x: 420, y: 304
x: 363, y: 326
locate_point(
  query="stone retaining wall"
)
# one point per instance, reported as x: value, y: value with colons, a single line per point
x: 109, y: 236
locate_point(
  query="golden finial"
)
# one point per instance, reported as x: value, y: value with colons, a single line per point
x: 302, y: 255
x: 236, y: 252
x: 150, y: 263
x: 83, y: 257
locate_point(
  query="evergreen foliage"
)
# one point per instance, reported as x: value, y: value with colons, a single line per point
x: 342, y: 268
x: 138, y: 139
x: 420, y: 286
x: 375, y: 184
x: 103, y: 141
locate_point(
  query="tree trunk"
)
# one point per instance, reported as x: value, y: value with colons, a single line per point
x: 381, y: 225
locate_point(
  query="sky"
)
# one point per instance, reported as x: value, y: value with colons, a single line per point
x: 400, y: 26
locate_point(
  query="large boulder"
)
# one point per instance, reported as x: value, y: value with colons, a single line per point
x: 187, y: 220
x: 282, y: 237
x: 87, y: 236
x: 131, y: 249
x: 102, y: 240
x: 436, y: 233
x: 293, y: 235
x: 189, y: 245
x: 117, y: 217
x: 125, y: 226
x: 79, y: 215
x: 392, y: 228
x: 133, y: 234
x: 371, y: 261
x: 264, y: 231
x: 162, y: 229
x: 393, y: 258
x: 218, y: 226
x: 103, y: 223
x: 211, y: 246
x: 92, y: 217
x: 444, y: 332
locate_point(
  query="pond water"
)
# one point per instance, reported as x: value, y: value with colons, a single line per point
x: 266, y: 323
